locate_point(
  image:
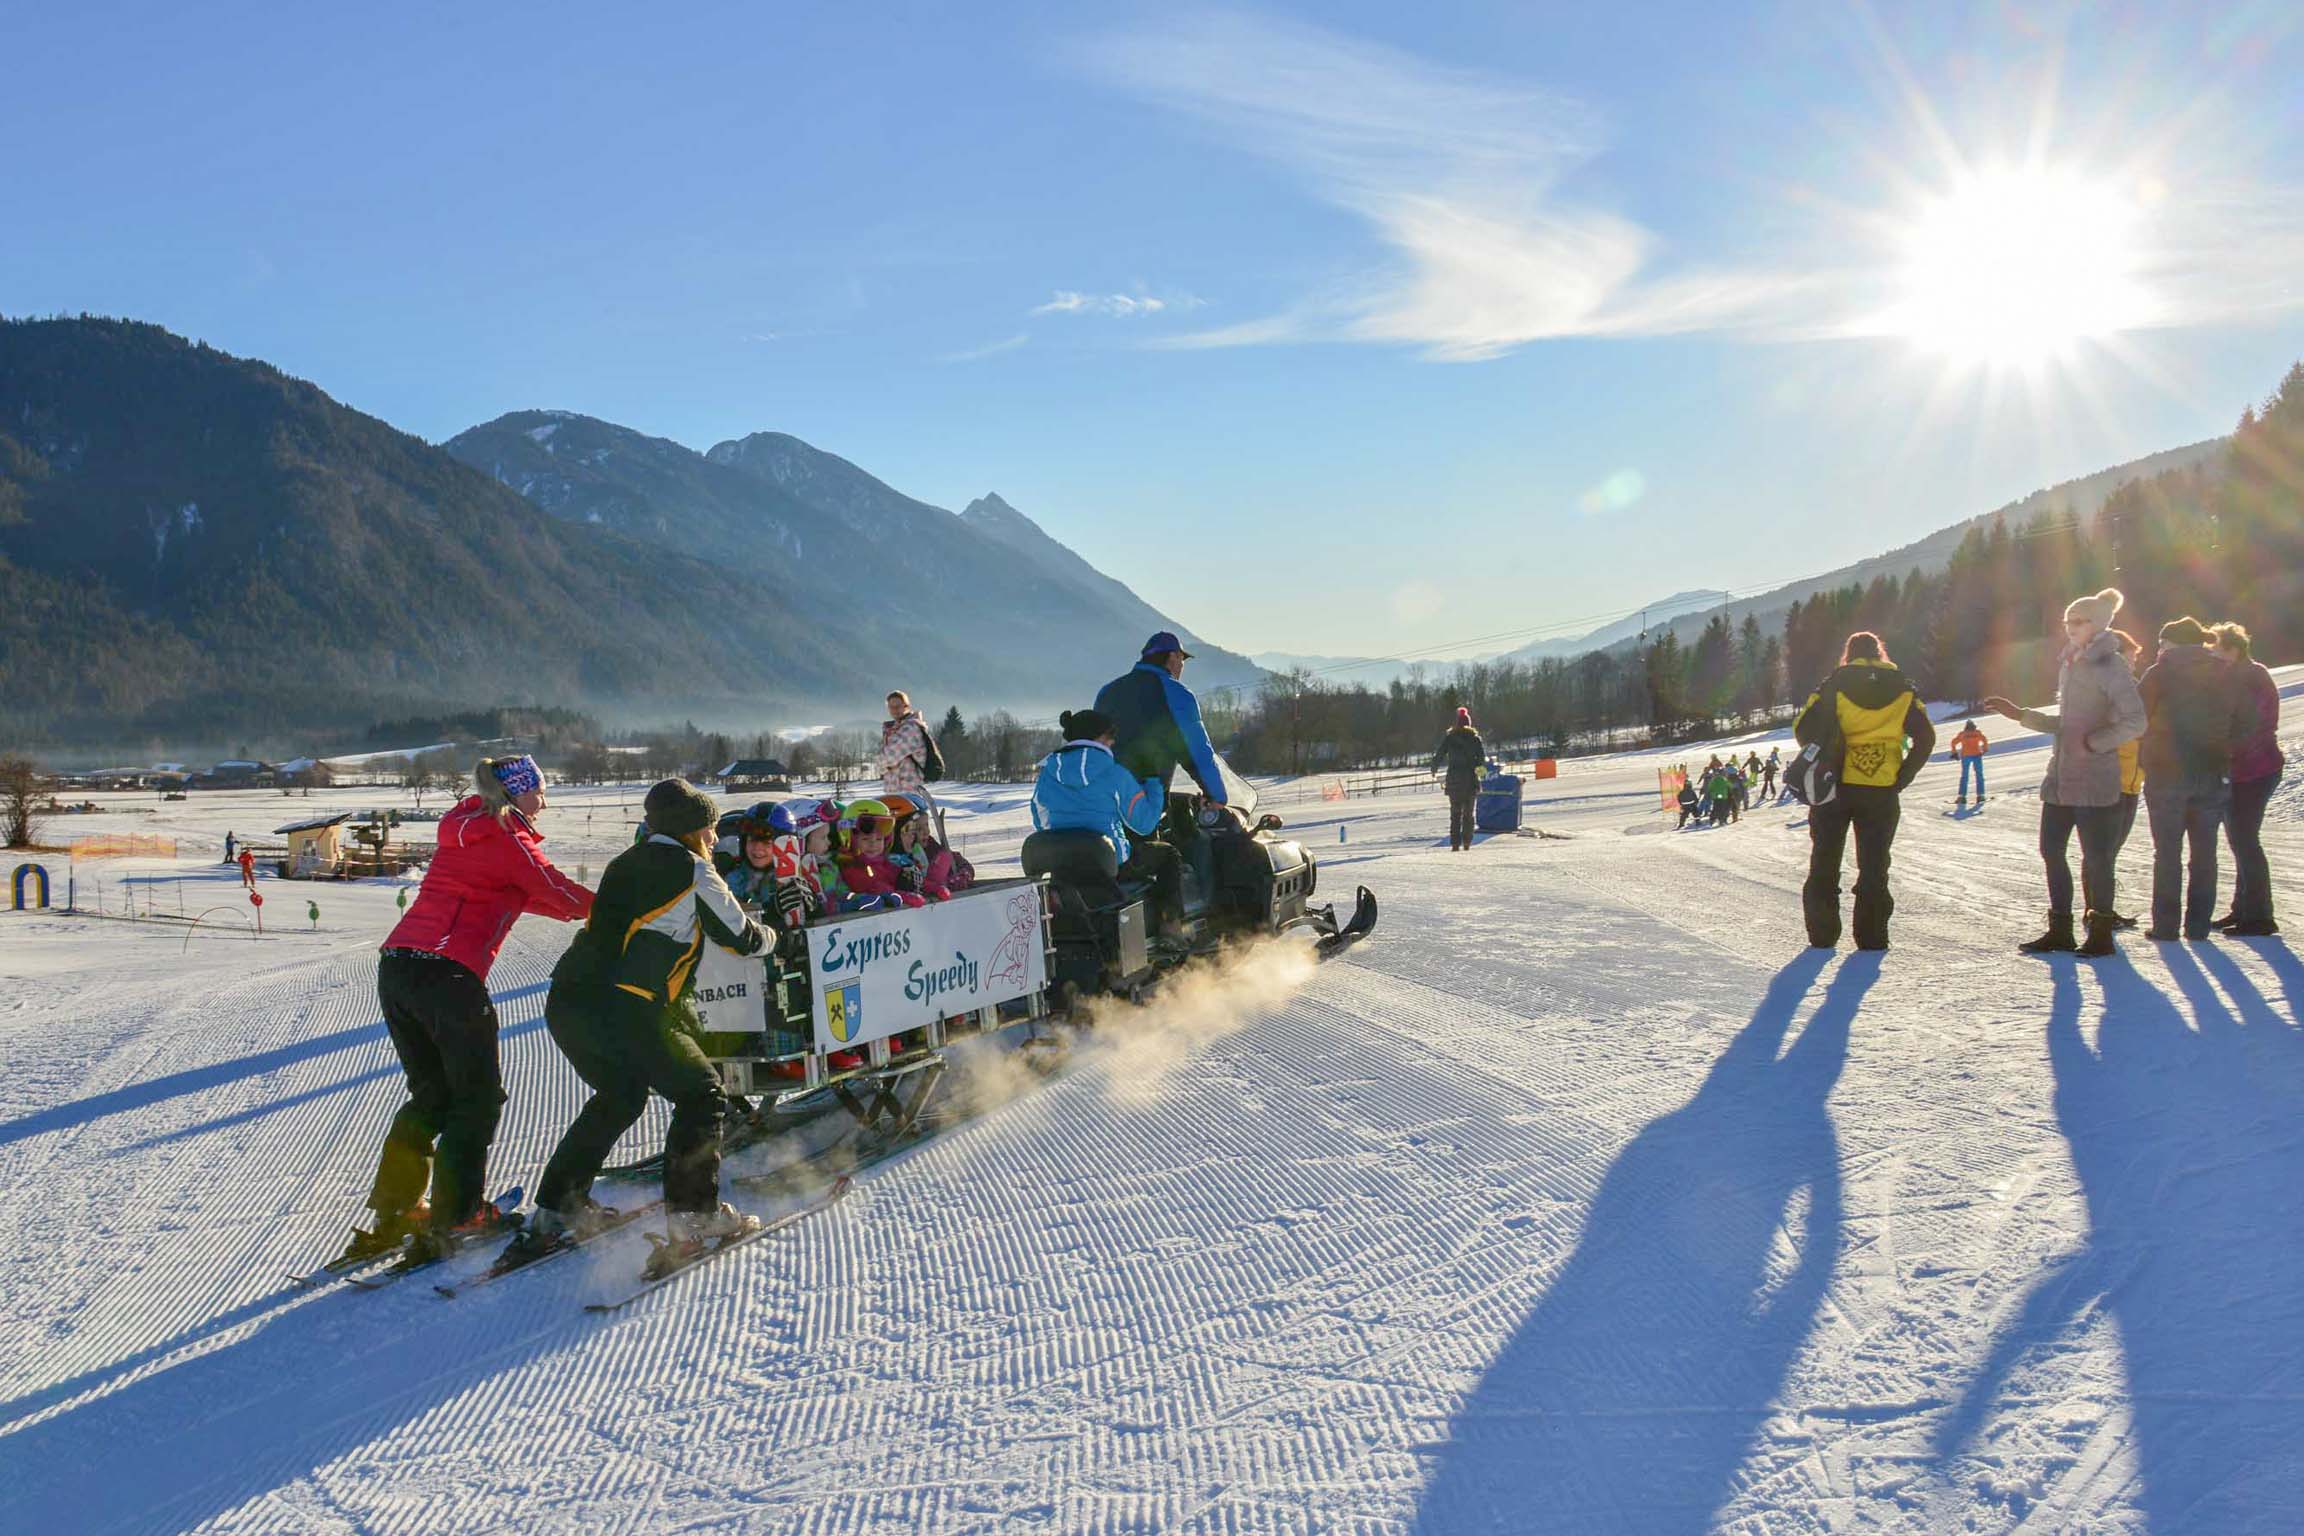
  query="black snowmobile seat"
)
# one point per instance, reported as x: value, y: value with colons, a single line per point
x: 1071, y: 856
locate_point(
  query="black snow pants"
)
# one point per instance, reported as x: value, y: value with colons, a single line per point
x: 2251, y: 870
x: 1872, y: 811
x: 1463, y: 798
x: 1151, y: 860
x: 2099, y: 829
x: 444, y: 1028
x: 623, y: 1046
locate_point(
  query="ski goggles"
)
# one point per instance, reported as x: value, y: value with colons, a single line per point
x: 873, y: 826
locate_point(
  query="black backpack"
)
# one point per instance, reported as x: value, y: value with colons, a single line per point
x: 931, y: 766
x: 1813, y: 775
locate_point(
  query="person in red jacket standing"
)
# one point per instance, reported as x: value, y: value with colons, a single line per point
x: 433, y: 982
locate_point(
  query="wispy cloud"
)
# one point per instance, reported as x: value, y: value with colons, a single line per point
x: 976, y: 354
x: 1458, y: 172
x: 1121, y: 306
x: 1462, y: 175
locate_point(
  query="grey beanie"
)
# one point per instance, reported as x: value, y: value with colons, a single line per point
x: 676, y: 808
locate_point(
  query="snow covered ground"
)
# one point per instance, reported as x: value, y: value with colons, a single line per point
x: 1582, y: 1198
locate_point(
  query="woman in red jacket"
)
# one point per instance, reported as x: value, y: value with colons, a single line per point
x: 433, y: 983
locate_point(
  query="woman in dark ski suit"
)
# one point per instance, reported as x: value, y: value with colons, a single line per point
x: 617, y: 1010
x: 1875, y: 714
x: 1460, y: 756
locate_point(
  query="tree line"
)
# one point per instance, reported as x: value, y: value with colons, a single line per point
x: 2220, y: 540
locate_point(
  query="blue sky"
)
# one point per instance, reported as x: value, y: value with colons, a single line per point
x: 1353, y: 328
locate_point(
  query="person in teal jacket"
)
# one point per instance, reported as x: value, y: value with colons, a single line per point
x: 1082, y: 786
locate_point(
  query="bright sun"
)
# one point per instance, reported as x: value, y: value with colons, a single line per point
x: 2012, y: 268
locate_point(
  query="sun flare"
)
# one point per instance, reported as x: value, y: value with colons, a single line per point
x: 2014, y: 268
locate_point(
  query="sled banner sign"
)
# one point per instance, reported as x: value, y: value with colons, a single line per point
x: 731, y: 994
x: 887, y: 972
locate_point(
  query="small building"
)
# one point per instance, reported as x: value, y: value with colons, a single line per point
x: 315, y: 847
x: 756, y: 773
x: 303, y: 773
x: 236, y: 773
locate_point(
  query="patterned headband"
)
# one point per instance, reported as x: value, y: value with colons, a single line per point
x: 519, y: 775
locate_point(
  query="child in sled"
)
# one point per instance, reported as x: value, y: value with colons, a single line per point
x: 921, y: 862
x: 872, y: 880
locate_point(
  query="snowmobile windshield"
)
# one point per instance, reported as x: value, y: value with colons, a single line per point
x: 1238, y: 792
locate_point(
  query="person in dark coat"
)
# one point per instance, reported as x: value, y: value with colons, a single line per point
x: 1874, y: 714
x: 2256, y: 769
x: 2195, y: 716
x: 1460, y: 756
x: 619, y: 1010
x: 1156, y: 720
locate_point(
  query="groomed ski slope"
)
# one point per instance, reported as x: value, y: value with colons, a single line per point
x: 1582, y: 1198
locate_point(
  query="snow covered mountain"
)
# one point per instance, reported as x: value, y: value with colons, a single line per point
x: 765, y: 504
x: 197, y: 548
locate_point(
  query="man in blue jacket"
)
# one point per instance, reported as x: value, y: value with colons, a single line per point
x: 1083, y: 786
x: 1156, y: 720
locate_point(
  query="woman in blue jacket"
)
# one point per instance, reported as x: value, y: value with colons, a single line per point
x: 1083, y: 787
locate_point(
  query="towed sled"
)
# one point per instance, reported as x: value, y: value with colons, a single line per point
x: 849, y: 1039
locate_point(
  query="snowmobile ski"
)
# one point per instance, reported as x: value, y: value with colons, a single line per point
x: 1362, y: 923
x: 507, y: 1206
x: 823, y: 1202
x: 515, y: 1258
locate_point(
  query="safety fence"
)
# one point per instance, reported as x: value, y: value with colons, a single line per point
x: 121, y: 845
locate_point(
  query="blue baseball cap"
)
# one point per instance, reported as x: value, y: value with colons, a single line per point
x: 1161, y: 644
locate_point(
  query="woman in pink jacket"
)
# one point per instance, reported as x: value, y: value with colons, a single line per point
x: 2256, y: 769
x: 433, y: 982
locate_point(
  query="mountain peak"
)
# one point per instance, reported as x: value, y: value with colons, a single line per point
x: 989, y: 511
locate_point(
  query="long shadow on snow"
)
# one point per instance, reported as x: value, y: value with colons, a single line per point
x: 314, y: 1383
x: 175, y: 1085
x: 1632, y: 1393
x: 2190, y: 1156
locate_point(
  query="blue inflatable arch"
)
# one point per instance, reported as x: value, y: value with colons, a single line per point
x: 33, y: 875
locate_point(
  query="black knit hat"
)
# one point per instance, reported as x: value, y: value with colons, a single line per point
x: 1085, y: 724
x: 676, y: 808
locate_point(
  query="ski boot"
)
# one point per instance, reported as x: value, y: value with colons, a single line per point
x: 2056, y: 941
x: 385, y: 1237
x: 548, y: 1228
x: 692, y: 1234
x: 435, y: 1242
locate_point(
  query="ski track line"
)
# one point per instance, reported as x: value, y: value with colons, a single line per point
x: 1408, y: 1344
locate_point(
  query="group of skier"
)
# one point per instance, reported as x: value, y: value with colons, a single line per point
x: 619, y: 1005
x: 2195, y: 740
x: 1726, y: 788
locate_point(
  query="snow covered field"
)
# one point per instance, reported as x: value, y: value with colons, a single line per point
x: 1581, y: 1198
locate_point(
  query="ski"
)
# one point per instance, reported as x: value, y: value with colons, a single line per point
x: 344, y: 1269
x: 507, y: 1206
x: 823, y: 1202
x: 514, y: 1258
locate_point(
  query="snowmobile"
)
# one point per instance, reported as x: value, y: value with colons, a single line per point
x: 1240, y: 880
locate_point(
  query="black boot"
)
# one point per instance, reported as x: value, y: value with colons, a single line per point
x: 2057, y: 940
x: 2100, y: 942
